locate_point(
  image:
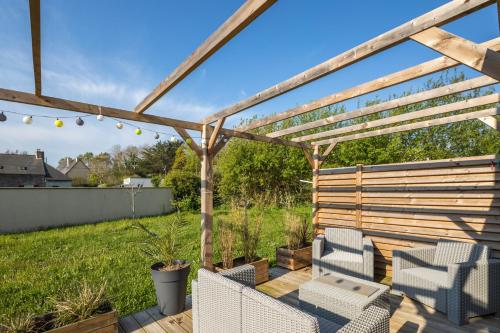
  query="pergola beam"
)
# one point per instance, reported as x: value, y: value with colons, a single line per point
x: 433, y: 111
x: 383, y: 82
x: 491, y: 122
x: 439, y: 16
x: 248, y: 12
x: 215, y: 133
x: 413, y: 126
x: 189, y: 140
x: 36, y: 44
x: 468, y: 53
x: 454, y: 88
x: 69, y: 105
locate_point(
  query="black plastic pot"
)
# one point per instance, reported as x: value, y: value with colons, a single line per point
x: 171, y: 287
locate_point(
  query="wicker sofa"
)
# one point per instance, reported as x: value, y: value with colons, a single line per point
x: 345, y: 251
x: 228, y: 302
x: 456, y: 278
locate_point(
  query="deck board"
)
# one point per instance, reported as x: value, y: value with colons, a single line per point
x: 407, y: 316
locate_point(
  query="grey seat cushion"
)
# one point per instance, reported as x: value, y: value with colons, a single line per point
x: 453, y: 252
x: 436, y: 275
x: 340, y: 255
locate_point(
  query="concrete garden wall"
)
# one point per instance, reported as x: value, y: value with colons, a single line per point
x: 24, y: 209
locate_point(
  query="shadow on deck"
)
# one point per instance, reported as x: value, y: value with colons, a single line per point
x: 407, y: 316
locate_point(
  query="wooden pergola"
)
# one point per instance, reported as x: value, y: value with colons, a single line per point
x: 424, y: 30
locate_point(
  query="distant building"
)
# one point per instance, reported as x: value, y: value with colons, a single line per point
x: 76, y: 170
x: 30, y: 171
x: 136, y: 181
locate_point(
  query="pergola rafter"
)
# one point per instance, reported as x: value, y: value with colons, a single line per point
x: 249, y: 11
x: 36, y: 44
x: 439, y: 16
x: 466, y: 52
x: 383, y: 82
x: 424, y: 29
x: 391, y: 104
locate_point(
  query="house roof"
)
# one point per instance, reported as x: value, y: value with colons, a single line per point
x: 67, y: 168
x: 16, y: 164
x: 55, y: 175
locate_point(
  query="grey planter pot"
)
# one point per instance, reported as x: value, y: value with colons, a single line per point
x: 171, y: 288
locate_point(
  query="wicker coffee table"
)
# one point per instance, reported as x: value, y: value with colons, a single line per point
x: 340, y: 298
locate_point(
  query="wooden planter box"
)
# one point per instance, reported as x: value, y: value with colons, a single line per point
x: 294, y: 259
x: 102, y: 323
x: 261, y: 268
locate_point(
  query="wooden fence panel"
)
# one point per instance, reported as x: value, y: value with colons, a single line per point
x: 414, y: 204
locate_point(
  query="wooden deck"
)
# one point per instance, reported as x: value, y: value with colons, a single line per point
x: 407, y: 316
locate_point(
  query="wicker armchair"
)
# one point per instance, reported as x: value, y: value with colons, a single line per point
x: 343, y: 251
x: 221, y: 304
x: 456, y: 278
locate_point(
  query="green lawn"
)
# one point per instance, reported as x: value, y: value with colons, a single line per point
x: 36, y: 266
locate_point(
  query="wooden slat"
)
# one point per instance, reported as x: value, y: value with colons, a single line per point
x: 36, y: 44
x: 491, y: 122
x: 413, y: 126
x: 386, y: 81
x: 188, y: 140
x: 453, y: 170
x: 327, y: 151
x: 391, y: 104
x: 468, y: 53
x: 248, y: 12
x: 439, y: 16
x: 462, y: 178
x: 215, y: 133
x: 432, y: 111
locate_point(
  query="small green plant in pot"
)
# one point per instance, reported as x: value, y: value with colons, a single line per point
x: 80, y: 309
x: 169, y: 273
x: 247, y: 225
x: 227, y: 234
x: 298, y: 250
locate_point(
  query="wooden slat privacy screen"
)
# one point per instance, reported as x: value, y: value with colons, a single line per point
x: 414, y: 204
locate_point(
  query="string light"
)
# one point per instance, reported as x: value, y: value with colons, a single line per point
x: 58, y: 123
x: 27, y: 120
x: 100, y: 117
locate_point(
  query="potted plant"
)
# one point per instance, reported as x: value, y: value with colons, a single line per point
x: 88, y: 310
x: 297, y: 253
x: 169, y: 273
x: 249, y: 228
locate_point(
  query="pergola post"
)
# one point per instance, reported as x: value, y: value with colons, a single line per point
x: 206, y: 200
x: 315, y: 190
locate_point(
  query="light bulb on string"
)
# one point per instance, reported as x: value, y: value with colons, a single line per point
x: 119, y: 125
x: 28, y: 120
x: 3, y: 117
x: 79, y: 121
x: 58, y: 123
x: 173, y: 139
x: 157, y: 136
x: 100, y: 117
x: 138, y: 131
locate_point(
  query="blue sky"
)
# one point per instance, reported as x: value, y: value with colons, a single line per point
x: 114, y: 52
